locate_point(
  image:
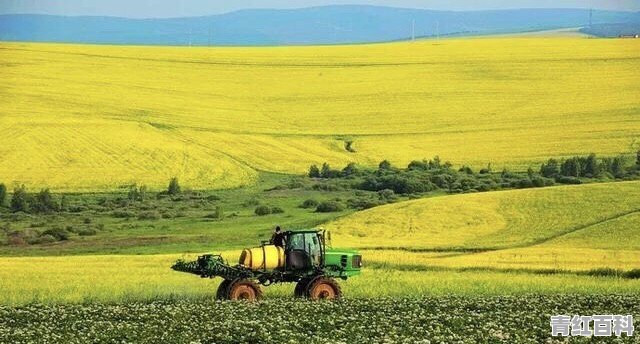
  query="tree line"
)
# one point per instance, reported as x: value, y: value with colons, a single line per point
x: 430, y: 175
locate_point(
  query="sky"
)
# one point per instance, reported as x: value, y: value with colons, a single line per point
x: 187, y: 8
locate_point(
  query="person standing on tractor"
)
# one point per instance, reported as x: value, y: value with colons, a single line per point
x: 278, y: 237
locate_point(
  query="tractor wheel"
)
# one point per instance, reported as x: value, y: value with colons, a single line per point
x: 301, y: 288
x: 244, y: 289
x: 323, y: 288
x: 223, y: 289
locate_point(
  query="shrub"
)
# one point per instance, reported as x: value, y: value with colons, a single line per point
x: 277, y: 210
x: 568, y: 180
x: 44, y: 239
x: 87, y: 232
x: 3, y: 194
x: 174, y: 187
x: 314, y: 172
x: 262, y: 210
x: 310, y: 203
x: 387, y: 195
x: 329, y: 207
x: 43, y: 202
x: 58, y: 233
x: 634, y: 273
x: 350, y: 170
x: 20, y: 200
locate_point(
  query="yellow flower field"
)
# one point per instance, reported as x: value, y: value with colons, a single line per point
x: 79, y: 118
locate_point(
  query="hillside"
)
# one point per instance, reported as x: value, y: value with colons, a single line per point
x: 315, y: 25
x: 564, y: 228
x: 214, y: 116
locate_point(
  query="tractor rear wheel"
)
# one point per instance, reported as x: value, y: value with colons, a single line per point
x: 244, y: 289
x: 323, y: 288
x: 301, y: 287
x: 223, y: 289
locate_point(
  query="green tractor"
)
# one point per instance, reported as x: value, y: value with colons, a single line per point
x: 305, y: 260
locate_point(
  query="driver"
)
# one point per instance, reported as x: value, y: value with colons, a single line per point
x: 278, y: 238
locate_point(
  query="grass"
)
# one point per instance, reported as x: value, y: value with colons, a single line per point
x: 119, y: 115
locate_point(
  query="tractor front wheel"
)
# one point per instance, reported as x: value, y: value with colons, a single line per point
x: 223, y: 289
x: 301, y: 288
x: 323, y: 288
x: 244, y: 289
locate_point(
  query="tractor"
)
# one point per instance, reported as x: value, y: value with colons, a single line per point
x: 304, y: 260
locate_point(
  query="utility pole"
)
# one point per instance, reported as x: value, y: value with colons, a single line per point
x: 210, y: 34
x: 437, y: 30
x: 413, y: 31
x: 590, y: 17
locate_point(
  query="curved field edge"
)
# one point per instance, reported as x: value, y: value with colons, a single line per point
x: 488, y: 221
x: 94, y: 118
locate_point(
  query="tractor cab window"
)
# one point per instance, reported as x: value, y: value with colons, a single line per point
x: 308, y: 242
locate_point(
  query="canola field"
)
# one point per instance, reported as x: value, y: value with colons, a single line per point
x: 213, y: 117
x: 547, y: 241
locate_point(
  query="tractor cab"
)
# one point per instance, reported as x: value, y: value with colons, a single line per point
x: 304, y: 249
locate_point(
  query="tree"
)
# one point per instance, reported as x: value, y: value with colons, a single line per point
x: 174, y: 187
x: 617, y: 167
x: 571, y: 167
x: 385, y: 165
x: 638, y: 159
x: 350, y: 170
x: 3, y: 194
x: 314, y: 171
x: 20, y: 200
x: 44, y: 202
x: 550, y: 169
x: 590, y: 167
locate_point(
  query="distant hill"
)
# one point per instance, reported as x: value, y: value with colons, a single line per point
x: 612, y: 30
x: 315, y: 25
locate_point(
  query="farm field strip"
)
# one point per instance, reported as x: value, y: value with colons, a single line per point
x: 145, y: 114
x: 117, y: 279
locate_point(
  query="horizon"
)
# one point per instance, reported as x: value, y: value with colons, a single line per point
x: 121, y: 9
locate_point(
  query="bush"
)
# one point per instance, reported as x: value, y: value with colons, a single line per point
x: 20, y: 200
x: 87, y: 232
x: 58, y: 233
x: 44, y: 239
x: 634, y: 273
x: 43, y: 202
x: 251, y: 202
x: 310, y: 203
x: 3, y: 194
x: 329, y: 207
x: 277, y: 210
x: 174, y: 187
x: 314, y: 172
x: 568, y: 180
x: 387, y: 195
x: 262, y: 210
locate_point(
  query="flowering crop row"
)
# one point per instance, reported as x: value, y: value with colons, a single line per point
x: 523, y: 319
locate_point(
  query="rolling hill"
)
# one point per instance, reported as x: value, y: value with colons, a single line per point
x: 214, y: 116
x: 573, y: 228
x: 315, y: 25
